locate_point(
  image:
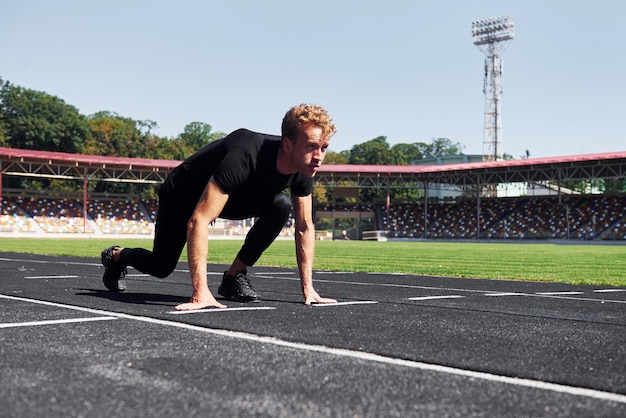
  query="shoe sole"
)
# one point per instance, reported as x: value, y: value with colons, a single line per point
x: 239, y: 299
x: 119, y: 287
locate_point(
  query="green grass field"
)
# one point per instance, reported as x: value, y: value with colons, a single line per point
x: 600, y: 265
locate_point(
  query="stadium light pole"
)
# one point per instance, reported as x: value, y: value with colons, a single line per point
x: 491, y: 36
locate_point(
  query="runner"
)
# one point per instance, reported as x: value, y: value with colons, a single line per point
x: 240, y: 176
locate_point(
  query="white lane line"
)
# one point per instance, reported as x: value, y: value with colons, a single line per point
x: 357, y: 302
x: 360, y: 355
x: 453, y: 289
x: 609, y: 290
x: 51, y: 277
x: 20, y: 260
x: 506, y: 294
x: 258, y: 308
x: 55, y: 322
x: 559, y: 293
x: 65, y: 263
x: 436, y: 297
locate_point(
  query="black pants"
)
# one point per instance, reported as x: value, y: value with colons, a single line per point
x: 170, y: 233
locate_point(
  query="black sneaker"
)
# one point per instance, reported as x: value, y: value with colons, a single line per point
x: 238, y: 288
x: 113, y: 272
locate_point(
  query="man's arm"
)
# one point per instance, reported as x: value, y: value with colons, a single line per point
x: 208, y: 209
x: 305, y: 248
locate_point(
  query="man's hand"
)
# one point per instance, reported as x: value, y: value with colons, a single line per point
x: 200, y: 303
x: 313, y: 297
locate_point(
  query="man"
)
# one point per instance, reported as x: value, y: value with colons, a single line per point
x: 240, y: 176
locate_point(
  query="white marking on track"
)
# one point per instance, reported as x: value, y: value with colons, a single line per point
x: 359, y: 355
x: 358, y: 302
x: 609, y: 290
x: 505, y: 294
x: 559, y: 293
x: 55, y: 322
x: 211, y: 310
x: 51, y: 277
x: 436, y: 297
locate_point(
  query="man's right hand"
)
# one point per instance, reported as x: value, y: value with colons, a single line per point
x: 200, y: 303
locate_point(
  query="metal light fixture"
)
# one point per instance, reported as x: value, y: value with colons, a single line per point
x: 491, y: 36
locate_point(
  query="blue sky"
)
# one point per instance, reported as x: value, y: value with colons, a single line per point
x: 407, y: 70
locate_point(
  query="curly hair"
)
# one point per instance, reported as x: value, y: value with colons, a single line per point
x: 303, y: 114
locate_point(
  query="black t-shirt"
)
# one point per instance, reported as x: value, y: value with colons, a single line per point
x: 242, y: 164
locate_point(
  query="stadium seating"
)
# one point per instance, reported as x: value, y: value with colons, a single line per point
x: 574, y: 217
x: 121, y: 217
x: 577, y: 217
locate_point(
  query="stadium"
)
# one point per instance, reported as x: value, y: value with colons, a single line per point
x: 426, y: 344
x: 461, y: 201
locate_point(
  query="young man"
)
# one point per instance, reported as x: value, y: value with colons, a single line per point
x: 240, y: 176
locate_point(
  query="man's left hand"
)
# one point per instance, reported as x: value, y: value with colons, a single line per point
x: 314, y: 297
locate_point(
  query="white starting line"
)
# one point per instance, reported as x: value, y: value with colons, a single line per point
x: 559, y: 293
x: 609, y: 290
x: 265, y: 308
x: 437, y: 297
x: 51, y: 277
x: 212, y: 310
x: 504, y: 294
x: 55, y: 322
x: 358, y: 302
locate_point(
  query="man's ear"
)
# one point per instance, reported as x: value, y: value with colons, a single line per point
x: 287, y: 144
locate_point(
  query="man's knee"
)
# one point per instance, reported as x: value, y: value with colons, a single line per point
x: 282, y: 205
x: 162, y: 269
x: 148, y: 262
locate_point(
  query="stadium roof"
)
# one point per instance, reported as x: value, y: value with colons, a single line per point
x: 30, y: 163
x: 574, y: 167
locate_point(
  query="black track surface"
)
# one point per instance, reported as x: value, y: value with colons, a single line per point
x: 396, y: 345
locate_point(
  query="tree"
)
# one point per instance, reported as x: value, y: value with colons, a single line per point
x: 118, y: 136
x: 440, y: 147
x: 404, y: 154
x: 38, y: 121
x: 4, y: 140
x: 375, y: 151
x: 335, y: 158
x: 198, y: 134
x: 615, y: 185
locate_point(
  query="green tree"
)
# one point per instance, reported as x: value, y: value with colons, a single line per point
x: 198, y: 134
x: 4, y: 139
x: 404, y: 154
x: 335, y: 158
x: 375, y: 151
x: 36, y: 120
x: 617, y: 185
x: 115, y: 135
x: 440, y: 147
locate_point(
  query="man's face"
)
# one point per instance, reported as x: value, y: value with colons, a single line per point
x: 308, y: 150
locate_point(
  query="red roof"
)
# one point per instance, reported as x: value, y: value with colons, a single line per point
x: 90, y: 160
x: 14, y: 153
x: 391, y: 169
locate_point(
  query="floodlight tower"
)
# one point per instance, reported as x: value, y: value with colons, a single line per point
x: 491, y: 36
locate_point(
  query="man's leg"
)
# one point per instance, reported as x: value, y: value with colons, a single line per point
x: 272, y: 215
x: 169, y: 241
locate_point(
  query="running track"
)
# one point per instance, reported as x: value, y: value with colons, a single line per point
x: 395, y: 345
